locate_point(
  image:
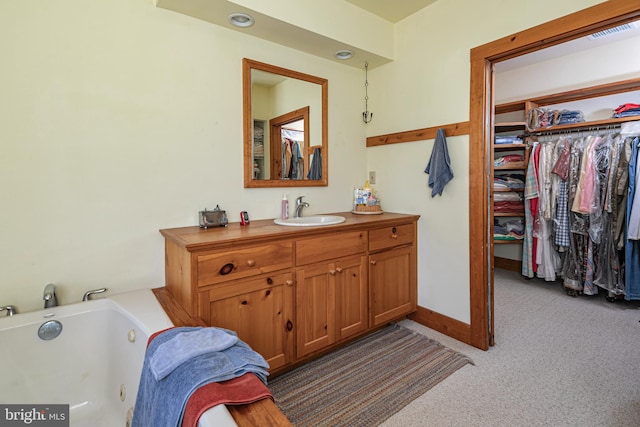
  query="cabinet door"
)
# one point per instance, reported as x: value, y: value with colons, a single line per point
x: 352, y: 306
x: 315, y: 308
x: 259, y: 310
x: 392, y: 284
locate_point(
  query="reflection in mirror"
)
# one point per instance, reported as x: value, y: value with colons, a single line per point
x: 285, y: 127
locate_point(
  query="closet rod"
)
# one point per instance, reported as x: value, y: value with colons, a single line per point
x: 587, y: 129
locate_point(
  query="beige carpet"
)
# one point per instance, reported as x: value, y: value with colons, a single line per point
x: 365, y: 382
x: 558, y: 361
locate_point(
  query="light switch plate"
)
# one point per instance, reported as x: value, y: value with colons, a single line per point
x: 372, y: 177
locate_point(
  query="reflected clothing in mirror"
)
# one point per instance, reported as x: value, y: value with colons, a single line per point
x: 315, y: 170
x: 292, y: 160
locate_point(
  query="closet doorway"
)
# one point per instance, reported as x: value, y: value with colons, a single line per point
x: 597, y: 18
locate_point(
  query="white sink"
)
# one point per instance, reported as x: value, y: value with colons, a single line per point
x: 310, y: 221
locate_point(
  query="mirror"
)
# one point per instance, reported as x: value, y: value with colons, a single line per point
x: 284, y: 126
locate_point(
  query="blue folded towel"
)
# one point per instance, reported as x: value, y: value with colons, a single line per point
x: 186, y: 345
x: 439, y: 166
x: 162, y: 402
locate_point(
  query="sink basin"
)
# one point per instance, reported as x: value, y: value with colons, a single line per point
x: 310, y: 221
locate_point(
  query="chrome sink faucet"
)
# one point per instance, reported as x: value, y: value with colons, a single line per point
x: 299, y: 206
x: 49, y: 296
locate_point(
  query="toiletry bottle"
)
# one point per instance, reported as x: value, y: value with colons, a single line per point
x: 285, y: 207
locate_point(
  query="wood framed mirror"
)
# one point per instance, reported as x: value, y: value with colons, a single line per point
x: 284, y: 127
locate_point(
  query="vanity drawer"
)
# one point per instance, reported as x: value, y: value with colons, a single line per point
x: 388, y: 237
x: 328, y: 247
x: 217, y: 267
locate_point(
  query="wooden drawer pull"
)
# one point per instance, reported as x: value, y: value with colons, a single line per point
x: 332, y: 272
x: 373, y: 262
x: 339, y: 269
x: 226, y: 269
x: 394, y: 236
x: 288, y: 282
x: 251, y: 262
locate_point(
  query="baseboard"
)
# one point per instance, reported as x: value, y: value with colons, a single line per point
x: 443, y: 324
x: 507, y: 264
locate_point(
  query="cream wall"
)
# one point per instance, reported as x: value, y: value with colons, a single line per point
x: 119, y: 119
x: 428, y: 85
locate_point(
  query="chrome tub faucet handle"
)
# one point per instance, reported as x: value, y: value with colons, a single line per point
x: 87, y: 295
x: 49, y: 296
x: 10, y: 309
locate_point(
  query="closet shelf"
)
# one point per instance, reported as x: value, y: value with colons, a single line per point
x: 508, y: 214
x: 504, y: 241
x: 512, y: 166
x: 584, y: 125
x: 509, y: 126
x: 508, y: 190
x: 508, y: 146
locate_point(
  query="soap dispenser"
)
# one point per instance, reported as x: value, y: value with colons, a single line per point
x: 285, y: 207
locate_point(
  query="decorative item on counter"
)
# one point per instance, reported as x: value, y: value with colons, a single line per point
x: 366, y: 201
x: 244, y: 218
x: 214, y: 218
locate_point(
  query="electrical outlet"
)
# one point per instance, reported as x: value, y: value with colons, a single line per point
x: 372, y: 177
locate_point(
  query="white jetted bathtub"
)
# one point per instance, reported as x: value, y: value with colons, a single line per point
x: 93, y: 364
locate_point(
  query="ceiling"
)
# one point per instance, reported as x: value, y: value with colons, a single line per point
x: 392, y: 11
x: 324, y: 42
x: 615, y: 34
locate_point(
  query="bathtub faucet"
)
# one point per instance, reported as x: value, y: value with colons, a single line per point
x: 88, y: 294
x: 49, y: 296
x: 11, y: 310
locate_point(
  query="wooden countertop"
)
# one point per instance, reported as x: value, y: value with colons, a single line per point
x: 194, y: 238
x: 261, y: 413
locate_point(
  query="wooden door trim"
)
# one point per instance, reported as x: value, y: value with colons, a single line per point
x: 604, y: 15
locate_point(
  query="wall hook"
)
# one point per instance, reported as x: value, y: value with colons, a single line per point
x: 366, y: 115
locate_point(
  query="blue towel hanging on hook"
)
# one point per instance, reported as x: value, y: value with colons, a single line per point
x: 439, y: 166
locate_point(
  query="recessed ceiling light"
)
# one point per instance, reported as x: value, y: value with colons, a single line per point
x: 344, y: 54
x: 241, y: 19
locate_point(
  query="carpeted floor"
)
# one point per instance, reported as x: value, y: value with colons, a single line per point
x: 558, y: 361
x: 365, y: 382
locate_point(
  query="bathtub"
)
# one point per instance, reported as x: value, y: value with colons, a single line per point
x: 93, y: 365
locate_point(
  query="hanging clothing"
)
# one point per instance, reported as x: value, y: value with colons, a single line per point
x: 632, y: 247
x: 530, y: 200
x: 292, y: 160
x: 582, y: 213
x: 315, y: 170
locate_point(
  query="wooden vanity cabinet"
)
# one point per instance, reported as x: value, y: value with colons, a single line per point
x: 259, y: 310
x: 294, y: 293
x: 392, y: 272
x: 331, y: 303
x: 331, y: 289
